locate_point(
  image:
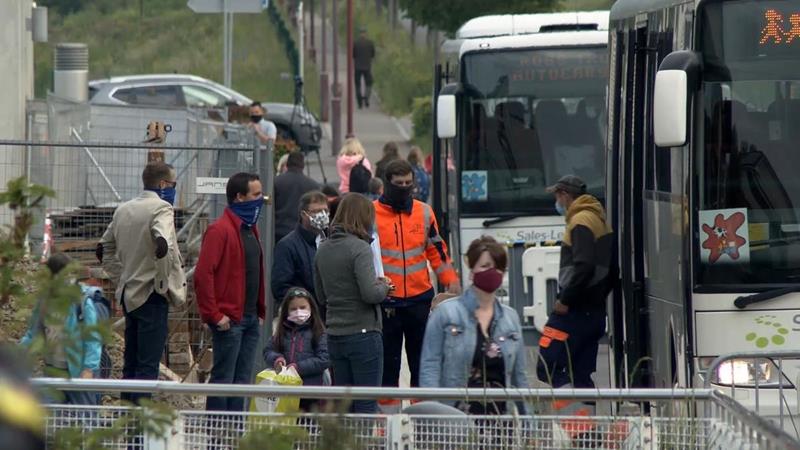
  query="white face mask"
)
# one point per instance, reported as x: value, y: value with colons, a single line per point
x: 299, y: 316
x: 320, y: 220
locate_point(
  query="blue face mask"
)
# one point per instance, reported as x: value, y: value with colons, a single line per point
x: 166, y: 194
x: 247, y: 211
x: 560, y: 209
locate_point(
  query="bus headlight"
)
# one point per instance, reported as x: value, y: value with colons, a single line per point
x: 745, y: 373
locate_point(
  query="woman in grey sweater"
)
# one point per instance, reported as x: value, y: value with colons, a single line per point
x: 346, y: 284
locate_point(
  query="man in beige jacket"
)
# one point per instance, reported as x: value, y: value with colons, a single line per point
x: 142, y: 256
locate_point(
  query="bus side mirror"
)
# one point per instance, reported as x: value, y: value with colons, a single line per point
x: 677, y: 79
x: 669, y: 108
x: 446, y: 116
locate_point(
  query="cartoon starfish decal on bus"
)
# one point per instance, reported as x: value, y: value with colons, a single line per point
x: 722, y: 237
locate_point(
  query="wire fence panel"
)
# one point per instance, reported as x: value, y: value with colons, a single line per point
x: 638, y: 419
x: 217, y: 431
x: 110, y: 427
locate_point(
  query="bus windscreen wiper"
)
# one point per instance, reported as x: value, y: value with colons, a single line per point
x: 743, y: 301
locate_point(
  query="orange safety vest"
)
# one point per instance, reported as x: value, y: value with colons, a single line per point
x: 408, y: 243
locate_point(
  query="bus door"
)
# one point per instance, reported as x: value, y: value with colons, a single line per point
x: 631, y: 223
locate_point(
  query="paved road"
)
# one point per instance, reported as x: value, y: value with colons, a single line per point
x: 371, y: 126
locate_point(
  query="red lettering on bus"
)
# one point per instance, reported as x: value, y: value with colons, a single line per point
x: 773, y: 30
x: 794, y: 32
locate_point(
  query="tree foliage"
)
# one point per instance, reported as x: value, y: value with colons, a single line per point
x: 449, y: 15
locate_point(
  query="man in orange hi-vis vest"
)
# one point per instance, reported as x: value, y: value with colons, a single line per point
x: 410, y: 240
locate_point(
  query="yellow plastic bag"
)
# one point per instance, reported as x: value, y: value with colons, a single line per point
x: 286, y: 405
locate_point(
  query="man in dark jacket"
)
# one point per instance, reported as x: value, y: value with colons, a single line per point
x: 569, y: 342
x: 289, y: 187
x: 293, y: 261
x: 363, y: 54
x: 229, y: 286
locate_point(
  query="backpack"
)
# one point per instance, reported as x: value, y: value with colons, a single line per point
x: 103, y: 308
x: 359, y: 178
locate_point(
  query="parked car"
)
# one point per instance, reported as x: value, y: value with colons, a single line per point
x: 180, y: 91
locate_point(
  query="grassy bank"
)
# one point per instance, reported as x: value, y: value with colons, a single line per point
x: 173, y: 39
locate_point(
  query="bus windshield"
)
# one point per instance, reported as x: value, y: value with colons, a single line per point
x: 749, y: 188
x: 530, y: 117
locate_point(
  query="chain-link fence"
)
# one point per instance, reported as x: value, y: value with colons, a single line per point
x: 90, y: 179
x: 638, y: 419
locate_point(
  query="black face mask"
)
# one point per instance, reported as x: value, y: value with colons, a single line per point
x: 399, y: 198
x: 256, y: 119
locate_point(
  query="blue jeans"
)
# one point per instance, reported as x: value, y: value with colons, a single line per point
x: 145, y: 337
x: 234, y: 356
x: 357, y: 360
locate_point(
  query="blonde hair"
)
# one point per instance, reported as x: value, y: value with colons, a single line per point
x: 355, y: 214
x: 415, y: 156
x: 352, y: 146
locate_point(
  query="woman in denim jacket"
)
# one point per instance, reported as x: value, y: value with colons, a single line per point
x: 473, y: 340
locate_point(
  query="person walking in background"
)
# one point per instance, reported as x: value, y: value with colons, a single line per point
x: 410, y: 240
x: 474, y: 340
x: 375, y: 188
x: 293, y: 259
x: 139, y: 250
x: 352, y: 153
x: 264, y: 129
x: 229, y: 286
x: 300, y: 341
x: 363, y: 54
x: 74, y: 346
x: 346, y: 283
x: 390, y: 153
x: 421, y: 178
x: 569, y: 343
x: 289, y: 188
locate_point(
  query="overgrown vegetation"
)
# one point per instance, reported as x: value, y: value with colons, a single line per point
x: 128, y: 37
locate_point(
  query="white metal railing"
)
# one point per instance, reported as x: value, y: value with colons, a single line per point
x: 663, y: 418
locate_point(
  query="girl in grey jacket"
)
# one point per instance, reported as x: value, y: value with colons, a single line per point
x: 346, y: 283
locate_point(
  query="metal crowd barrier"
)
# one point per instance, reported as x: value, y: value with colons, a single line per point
x: 636, y: 419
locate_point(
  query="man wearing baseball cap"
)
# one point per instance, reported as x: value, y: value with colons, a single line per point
x: 569, y: 342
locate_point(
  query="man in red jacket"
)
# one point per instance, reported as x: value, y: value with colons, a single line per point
x: 229, y: 285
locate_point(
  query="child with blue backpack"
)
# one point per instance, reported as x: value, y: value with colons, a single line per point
x: 72, y: 347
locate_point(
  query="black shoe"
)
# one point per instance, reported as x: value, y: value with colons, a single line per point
x: 366, y: 101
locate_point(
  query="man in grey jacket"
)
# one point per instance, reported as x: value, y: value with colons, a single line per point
x: 139, y: 250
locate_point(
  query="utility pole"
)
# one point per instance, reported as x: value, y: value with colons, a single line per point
x: 313, y: 51
x: 350, y: 69
x: 302, y: 38
x: 324, y: 85
x: 336, y: 101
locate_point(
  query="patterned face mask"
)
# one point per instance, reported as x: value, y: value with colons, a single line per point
x: 320, y: 220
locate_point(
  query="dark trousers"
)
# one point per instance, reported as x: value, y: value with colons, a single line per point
x: 568, y: 348
x: 234, y: 356
x: 367, y: 76
x: 409, y: 322
x: 145, y: 337
x: 357, y: 360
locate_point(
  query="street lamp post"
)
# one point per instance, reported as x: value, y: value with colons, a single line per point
x: 336, y: 101
x: 324, y: 86
x: 350, y: 69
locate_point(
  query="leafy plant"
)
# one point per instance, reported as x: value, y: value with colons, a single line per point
x: 52, y: 298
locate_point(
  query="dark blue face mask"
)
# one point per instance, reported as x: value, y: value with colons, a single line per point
x: 166, y: 194
x: 247, y: 211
